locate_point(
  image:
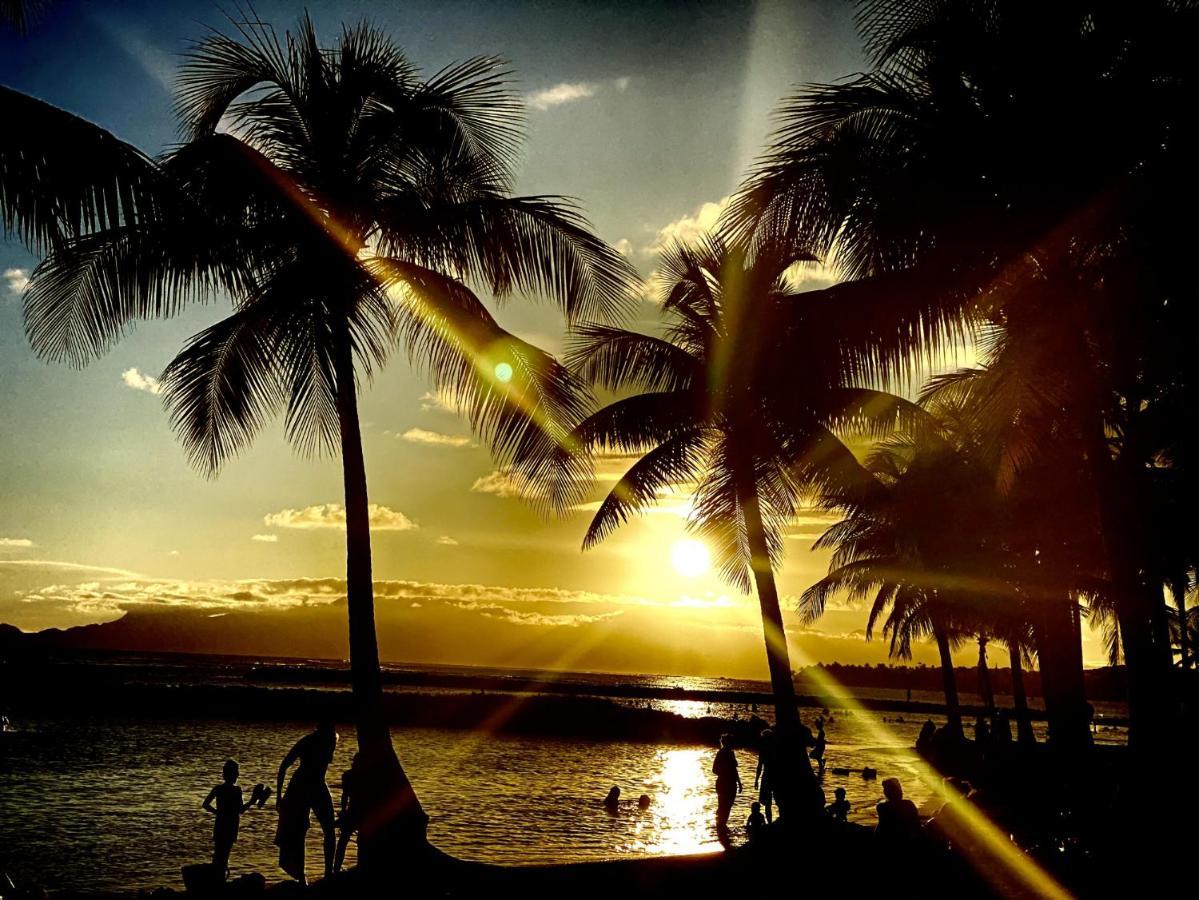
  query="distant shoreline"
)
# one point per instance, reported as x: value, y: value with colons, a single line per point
x: 527, y: 703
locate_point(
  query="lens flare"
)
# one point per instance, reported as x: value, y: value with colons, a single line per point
x: 503, y: 372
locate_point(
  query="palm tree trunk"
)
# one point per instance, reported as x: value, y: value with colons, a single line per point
x: 1059, y: 649
x: 953, y: 707
x: 391, y: 810
x: 1148, y: 701
x: 796, y: 786
x: 1178, y: 588
x: 984, y: 678
x: 1024, y: 734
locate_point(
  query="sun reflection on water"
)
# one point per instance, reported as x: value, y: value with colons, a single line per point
x: 680, y: 818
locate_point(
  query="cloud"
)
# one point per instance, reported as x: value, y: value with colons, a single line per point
x: 500, y: 484
x: 562, y: 93
x: 624, y: 247
x: 524, y: 617
x: 47, y: 566
x: 333, y: 515
x: 431, y: 402
x: 7, y: 543
x: 16, y: 280
x: 446, y: 541
x: 133, y: 378
x: 435, y: 438
x: 689, y: 229
x: 569, y: 92
x: 266, y: 538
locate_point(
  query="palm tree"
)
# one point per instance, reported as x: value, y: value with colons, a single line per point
x: 345, y: 204
x: 714, y: 407
x: 902, y: 544
x: 972, y: 174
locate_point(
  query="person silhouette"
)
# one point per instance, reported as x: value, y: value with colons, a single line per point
x: 228, y: 798
x: 898, y: 818
x: 767, y: 749
x: 755, y: 825
x: 347, y: 821
x: 306, y: 792
x: 728, y: 783
x: 838, y: 810
x: 818, y: 747
x: 612, y: 801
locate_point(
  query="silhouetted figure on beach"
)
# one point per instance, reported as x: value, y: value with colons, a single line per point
x: 838, y: 810
x: 898, y: 819
x: 818, y: 747
x: 306, y: 792
x: 728, y: 783
x: 612, y: 801
x: 924, y: 741
x: 1001, y: 735
x: 755, y: 825
x: 347, y: 821
x: 982, y: 733
x: 228, y: 809
x: 767, y: 752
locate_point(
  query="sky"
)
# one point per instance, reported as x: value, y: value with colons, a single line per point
x: 649, y: 115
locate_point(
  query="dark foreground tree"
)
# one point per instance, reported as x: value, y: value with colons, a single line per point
x: 972, y: 173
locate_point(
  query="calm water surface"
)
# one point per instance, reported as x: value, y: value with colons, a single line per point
x: 124, y: 796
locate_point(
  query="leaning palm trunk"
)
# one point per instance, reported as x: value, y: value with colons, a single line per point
x: 795, y: 785
x: 391, y: 812
x: 953, y: 709
x: 1024, y: 733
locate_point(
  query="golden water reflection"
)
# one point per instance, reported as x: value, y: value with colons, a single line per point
x: 681, y: 816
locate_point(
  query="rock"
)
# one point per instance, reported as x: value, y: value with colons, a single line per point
x: 869, y: 773
x: 251, y: 884
x: 203, y: 880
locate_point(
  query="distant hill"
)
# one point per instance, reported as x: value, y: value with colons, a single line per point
x: 319, y: 633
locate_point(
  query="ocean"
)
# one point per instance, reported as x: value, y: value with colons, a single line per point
x: 124, y: 792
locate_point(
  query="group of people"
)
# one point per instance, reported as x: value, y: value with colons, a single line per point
x: 306, y: 794
x: 898, y: 819
x: 728, y: 777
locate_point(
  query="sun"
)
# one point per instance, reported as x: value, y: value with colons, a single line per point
x: 689, y: 558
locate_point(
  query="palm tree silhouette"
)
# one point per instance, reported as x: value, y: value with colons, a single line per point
x: 716, y: 407
x: 903, y: 545
x: 972, y: 174
x: 345, y: 204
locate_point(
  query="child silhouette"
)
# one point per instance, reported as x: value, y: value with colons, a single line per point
x: 228, y: 810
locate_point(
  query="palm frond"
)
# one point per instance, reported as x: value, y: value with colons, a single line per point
x: 676, y: 461
x: 62, y: 176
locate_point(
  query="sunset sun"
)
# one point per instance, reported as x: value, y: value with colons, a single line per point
x: 689, y: 558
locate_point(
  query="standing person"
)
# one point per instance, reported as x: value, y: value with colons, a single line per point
x: 306, y: 792
x: 767, y: 750
x: 347, y: 822
x: 228, y: 810
x: 728, y: 784
x: 818, y: 748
